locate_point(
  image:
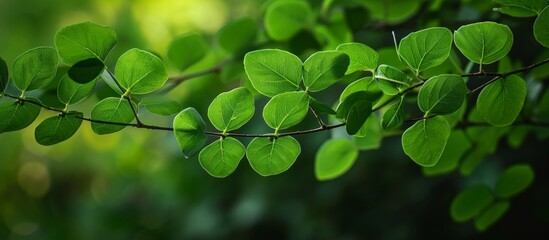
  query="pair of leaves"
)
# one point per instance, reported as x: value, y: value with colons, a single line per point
x: 272, y: 71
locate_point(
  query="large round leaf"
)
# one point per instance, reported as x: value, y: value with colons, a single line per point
x: 283, y: 19
x: 187, y: 50
x: 272, y: 156
x: 57, y: 129
x: 470, y: 202
x: 514, y: 180
x: 84, y: 41
x: 322, y: 69
x: 484, y: 42
x: 35, y: 68
x: 425, y: 49
x: 140, y: 72
x: 116, y: 111
x: 221, y: 157
x: 424, y: 142
x: 272, y: 71
x: 189, y: 131
x: 286, y: 110
x: 362, y: 57
x: 16, y: 116
x: 541, y: 31
x: 442, y: 94
x: 501, y: 102
x: 70, y: 92
x: 334, y: 158
x: 231, y: 110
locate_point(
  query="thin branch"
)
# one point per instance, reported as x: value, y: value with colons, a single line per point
x: 320, y: 122
x: 139, y: 123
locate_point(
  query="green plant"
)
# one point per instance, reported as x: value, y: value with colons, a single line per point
x: 446, y: 130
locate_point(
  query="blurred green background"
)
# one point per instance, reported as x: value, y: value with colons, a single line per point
x: 136, y: 184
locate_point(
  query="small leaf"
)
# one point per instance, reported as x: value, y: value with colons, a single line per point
x: 425, y: 49
x: 4, y: 75
x: 187, y: 50
x: 334, y: 158
x: 189, y: 131
x: 83, y: 41
x: 116, y: 110
x: 357, y: 116
x: 391, y: 80
x: 70, y: 92
x: 140, y: 72
x: 35, y: 68
x: 514, y: 180
x: 323, y: 69
x: 286, y: 110
x: 221, y: 157
x: 283, y: 19
x: 442, y: 94
x: 16, y: 116
x: 272, y: 71
x: 57, y: 129
x: 231, y: 110
x: 367, y: 84
x: 393, y: 117
x: 470, y: 202
x: 484, y: 42
x: 501, y: 102
x: 161, y: 105
x: 86, y: 71
x: 320, y: 107
x: 362, y: 57
x: 237, y: 35
x: 272, y: 156
x: 424, y: 142
x: 457, y: 146
x: 491, y: 215
x: 541, y: 31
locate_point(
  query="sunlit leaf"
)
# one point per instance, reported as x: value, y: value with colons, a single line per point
x: 114, y: 110
x: 35, y: 68
x: 272, y: 156
x: 426, y: 48
x: 140, y: 72
x: 16, y: 116
x: 283, y: 19
x: 362, y: 57
x: 334, y: 158
x: 442, y: 94
x: 424, y: 142
x: 272, y: 71
x: 501, y: 102
x: 514, y: 180
x: 187, y: 50
x: 83, y: 41
x: 322, y: 69
x: 161, y: 105
x: 484, y: 42
x: 231, y: 110
x: 470, y: 202
x: 286, y: 110
x: 189, y: 131
x: 221, y: 157
x: 58, y: 128
x: 237, y: 35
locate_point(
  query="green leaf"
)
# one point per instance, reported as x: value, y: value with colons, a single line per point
x: 345, y: 106
x: 514, y: 180
x: 334, y: 158
x: 272, y: 156
x: 117, y: 110
x: 189, y: 131
x: 57, y: 129
x: 286, y: 110
x: 221, y: 157
x: 457, y: 146
x: 491, y: 215
x: 84, y: 41
x: 283, y: 19
x: 231, y: 110
x: 140, y: 72
x: 187, y: 50
x: 442, y: 94
x: 320, y: 107
x: 4, y: 75
x: 470, y: 202
x: 541, y: 31
x: 87, y: 70
x: 393, y: 117
x: 370, y: 134
x: 355, y: 109
x: 35, y: 68
x: 273, y: 71
x: 425, y: 49
x: 237, y: 35
x: 161, y: 105
x: 70, y: 92
x: 16, y: 116
x: 322, y: 69
x: 391, y: 80
x: 484, y: 42
x: 500, y: 102
x: 424, y: 142
x: 367, y: 84
x: 521, y: 8
x: 362, y: 57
